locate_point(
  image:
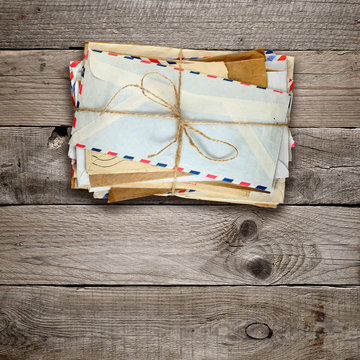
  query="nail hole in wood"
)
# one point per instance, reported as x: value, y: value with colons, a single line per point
x: 57, y: 137
x: 258, y: 331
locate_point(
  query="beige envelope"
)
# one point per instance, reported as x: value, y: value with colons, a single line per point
x: 211, y: 193
x: 245, y: 66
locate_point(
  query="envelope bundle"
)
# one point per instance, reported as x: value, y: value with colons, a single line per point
x: 210, y: 125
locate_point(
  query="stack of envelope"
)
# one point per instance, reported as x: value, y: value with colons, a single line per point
x: 236, y: 147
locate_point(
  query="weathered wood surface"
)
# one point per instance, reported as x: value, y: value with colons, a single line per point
x: 177, y: 245
x: 297, y: 25
x: 179, y: 323
x: 36, y: 88
x: 304, y: 247
x: 325, y: 169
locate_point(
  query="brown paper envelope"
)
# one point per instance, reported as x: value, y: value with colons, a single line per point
x: 237, y: 56
x: 98, y: 163
x: 208, y: 196
x: 119, y: 194
x: 244, y: 66
x: 252, y: 198
x: 250, y: 71
x: 100, y: 180
x: 276, y: 197
x: 221, y: 198
x: 156, y: 188
x: 241, y: 196
x: 75, y: 185
x: 116, y: 194
x: 206, y: 186
x: 123, y: 180
x: 109, y: 170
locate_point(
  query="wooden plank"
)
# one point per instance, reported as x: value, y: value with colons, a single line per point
x: 141, y: 323
x: 177, y: 245
x: 325, y: 169
x: 326, y: 88
x: 295, y: 25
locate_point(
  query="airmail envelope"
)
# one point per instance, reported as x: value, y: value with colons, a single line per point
x: 203, y: 98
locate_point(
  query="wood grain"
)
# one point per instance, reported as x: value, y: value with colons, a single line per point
x: 36, y: 89
x: 179, y: 245
x: 325, y: 169
x: 296, y: 25
x: 179, y: 323
x: 313, y: 250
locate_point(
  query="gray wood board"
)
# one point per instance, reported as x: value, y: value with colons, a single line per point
x: 36, y: 88
x: 85, y: 244
x: 211, y: 323
x: 314, y: 250
x: 325, y: 169
x: 235, y: 24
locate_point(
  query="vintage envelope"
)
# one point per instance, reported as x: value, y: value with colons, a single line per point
x: 245, y: 66
x: 237, y: 72
x: 127, y: 166
x: 156, y: 52
x: 258, y: 144
x: 162, y: 52
x: 276, y: 81
x: 248, y: 197
x: 210, y: 68
x: 105, y: 164
x: 207, y: 191
x: 273, y: 77
x: 136, y: 193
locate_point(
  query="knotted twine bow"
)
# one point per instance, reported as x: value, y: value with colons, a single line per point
x: 183, y: 126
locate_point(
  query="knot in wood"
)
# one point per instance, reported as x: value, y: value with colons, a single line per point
x: 259, y: 267
x: 258, y: 331
x: 4, y: 322
x: 241, y: 232
x: 248, y: 228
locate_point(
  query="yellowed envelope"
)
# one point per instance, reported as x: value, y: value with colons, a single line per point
x: 251, y: 198
x: 211, y: 193
x: 126, y: 194
x: 149, y: 51
x: 99, y: 163
x: 246, y: 66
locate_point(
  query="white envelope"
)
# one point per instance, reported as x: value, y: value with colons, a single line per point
x: 202, y: 98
